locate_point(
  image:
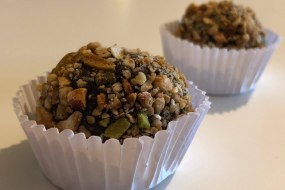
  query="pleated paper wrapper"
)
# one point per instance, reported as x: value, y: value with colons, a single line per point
x: 217, y: 71
x: 73, y: 162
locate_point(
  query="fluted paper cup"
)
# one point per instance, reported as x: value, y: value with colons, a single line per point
x: 71, y: 161
x: 218, y: 71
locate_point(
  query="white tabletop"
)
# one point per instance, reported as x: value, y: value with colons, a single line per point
x: 241, y: 142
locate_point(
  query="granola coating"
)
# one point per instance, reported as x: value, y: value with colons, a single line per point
x: 221, y: 24
x: 112, y: 92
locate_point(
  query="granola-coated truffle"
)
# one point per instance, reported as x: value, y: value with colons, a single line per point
x: 221, y: 24
x: 113, y: 93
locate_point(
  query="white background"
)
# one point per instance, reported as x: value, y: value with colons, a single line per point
x: 241, y: 142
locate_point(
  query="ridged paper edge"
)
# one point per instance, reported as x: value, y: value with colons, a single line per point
x: 217, y: 71
x: 71, y: 161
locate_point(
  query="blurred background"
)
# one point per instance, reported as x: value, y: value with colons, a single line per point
x: 35, y: 35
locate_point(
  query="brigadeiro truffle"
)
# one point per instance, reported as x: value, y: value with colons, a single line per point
x: 221, y: 24
x: 221, y: 46
x: 139, y: 115
x: 113, y: 93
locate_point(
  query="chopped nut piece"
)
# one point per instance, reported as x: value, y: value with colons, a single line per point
x: 129, y: 62
x: 86, y: 52
x: 93, y: 45
x: 115, y: 104
x: 146, y: 86
x: 127, y: 86
x: 97, y: 62
x: 71, y: 123
x: 145, y: 99
x: 117, y: 52
x: 182, y: 103
x: 83, y: 129
x: 174, y: 107
x: 77, y: 65
x: 54, y: 83
x: 90, y: 119
x: 104, y: 122
x: 61, y: 112
x: 147, y: 132
x: 152, y: 77
x: 143, y: 121
x: 102, y: 52
x: 166, y: 98
x: 156, y: 116
x: 135, y: 131
x: 118, y: 128
x: 139, y: 79
x: 132, y: 98
x: 101, y: 101
x: 105, y: 115
x: 44, y: 117
x: 47, y: 103
x: 127, y: 74
x: 63, y: 82
x: 157, y: 124
x: 51, y: 77
x: 81, y: 83
x: 149, y: 111
x: 70, y: 70
x: 162, y: 82
x: 63, y: 94
x: 97, y: 111
x: 77, y: 98
x: 153, y: 130
x: 131, y: 118
x: 117, y: 87
x: 164, y: 123
x: 154, y: 91
x: 147, y: 60
x: 158, y: 104
x: 115, y: 112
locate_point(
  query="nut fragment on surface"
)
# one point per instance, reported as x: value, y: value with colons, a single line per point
x: 118, y: 128
x: 139, y: 79
x: 112, y: 93
x: 77, y: 98
x: 117, y: 52
x: 101, y: 100
x: 162, y: 82
x: 63, y: 92
x: 127, y: 86
x: 71, y: 123
x: 145, y: 99
x: 158, y: 105
x: 44, y: 117
x: 98, y: 62
x: 63, y: 82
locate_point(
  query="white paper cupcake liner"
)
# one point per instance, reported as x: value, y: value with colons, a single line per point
x: 71, y: 161
x: 217, y: 70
